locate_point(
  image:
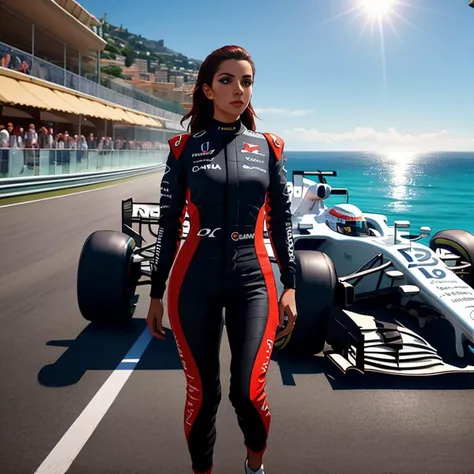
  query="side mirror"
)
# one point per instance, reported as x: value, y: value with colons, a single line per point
x: 399, y: 225
x: 425, y: 230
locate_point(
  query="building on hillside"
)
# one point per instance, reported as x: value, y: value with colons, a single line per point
x: 162, y: 74
x: 175, y: 91
x: 141, y: 65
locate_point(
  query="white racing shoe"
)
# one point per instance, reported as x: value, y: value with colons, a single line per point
x: 249, y: 471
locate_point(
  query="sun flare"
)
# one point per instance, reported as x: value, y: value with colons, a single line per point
x: 379, y: 12
x: 378, y: 8
x: 379, y: 16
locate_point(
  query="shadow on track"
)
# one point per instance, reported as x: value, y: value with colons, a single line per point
x: 290, y: 366
x: 371, y: 381
x: 103, y: 348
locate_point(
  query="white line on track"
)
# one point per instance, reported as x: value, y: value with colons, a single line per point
x: 69, y: 446
x: 71, y: 194
x: 58, y: 197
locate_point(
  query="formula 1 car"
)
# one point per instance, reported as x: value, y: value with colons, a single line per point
x: 356, y: 276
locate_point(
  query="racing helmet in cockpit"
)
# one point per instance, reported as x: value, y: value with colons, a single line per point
x: 347, y: 219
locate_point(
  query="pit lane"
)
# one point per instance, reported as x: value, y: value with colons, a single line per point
x: 54, y: 363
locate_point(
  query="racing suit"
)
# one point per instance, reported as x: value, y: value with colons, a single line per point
x: 229, y: 180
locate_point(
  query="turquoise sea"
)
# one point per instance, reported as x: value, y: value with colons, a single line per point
x: 433, y: 189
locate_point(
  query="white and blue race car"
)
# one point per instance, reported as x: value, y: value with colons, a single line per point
x: 357, y: 278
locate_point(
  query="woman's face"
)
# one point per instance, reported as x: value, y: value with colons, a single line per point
x: 231, y: 89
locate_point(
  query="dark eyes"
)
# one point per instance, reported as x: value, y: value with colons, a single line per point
x: 227, y: 80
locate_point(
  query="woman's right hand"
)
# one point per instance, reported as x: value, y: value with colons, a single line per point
x: 154, y: 318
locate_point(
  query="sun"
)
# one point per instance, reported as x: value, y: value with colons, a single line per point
x: 377, y: 9
x: 378, y: 16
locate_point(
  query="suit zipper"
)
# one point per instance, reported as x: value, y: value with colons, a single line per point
x: 225, y: 216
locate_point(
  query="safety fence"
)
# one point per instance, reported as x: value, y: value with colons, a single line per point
x: 40, y: 170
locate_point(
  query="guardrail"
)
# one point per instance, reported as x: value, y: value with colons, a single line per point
x: 31, y: 171
x: 12, y: 187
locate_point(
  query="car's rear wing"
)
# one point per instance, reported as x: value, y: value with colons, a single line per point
x: 298, y: 176
x: 143, y: 214
x: 315, y: 173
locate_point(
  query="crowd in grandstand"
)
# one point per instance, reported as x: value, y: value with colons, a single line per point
x: 13, y: 136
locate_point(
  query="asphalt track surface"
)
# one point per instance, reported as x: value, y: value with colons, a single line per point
x: 53, y: 363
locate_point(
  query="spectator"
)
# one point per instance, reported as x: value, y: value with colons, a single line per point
x: 10, y: 132
x: 81, y: 149
x: 4, y: 137
x: 91, y: 142
x: 6, y: 58
x: 17, y: 139
x: 4, y: 143
x: 31, y: 144
x: 31, y: 137
x: 24, y: 67
x: 45, y: 139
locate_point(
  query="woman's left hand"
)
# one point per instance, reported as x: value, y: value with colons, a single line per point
x: 287, y: 306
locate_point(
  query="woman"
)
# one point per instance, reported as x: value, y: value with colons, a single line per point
x: 229, y: 179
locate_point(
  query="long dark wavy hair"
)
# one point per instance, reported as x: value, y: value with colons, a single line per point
x: 203, y: 109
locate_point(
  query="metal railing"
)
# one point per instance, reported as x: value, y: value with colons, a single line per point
x: 131, y: 98
x: 42, y: 184
x: 21, y: 163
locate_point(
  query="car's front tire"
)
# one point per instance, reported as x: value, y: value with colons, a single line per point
x: 106, y: 280
x: 316, y: 282
x: 458, y: 242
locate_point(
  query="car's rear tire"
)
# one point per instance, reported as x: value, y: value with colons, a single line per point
x: 458, y: 242
x: 316, y: 282
x: 106, y: 278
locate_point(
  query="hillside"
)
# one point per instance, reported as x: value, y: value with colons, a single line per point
x: 133, y: 46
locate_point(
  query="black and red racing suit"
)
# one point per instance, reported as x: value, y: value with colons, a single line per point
x: 229, y: 180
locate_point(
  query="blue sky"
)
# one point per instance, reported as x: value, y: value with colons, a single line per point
x: 322, y: 82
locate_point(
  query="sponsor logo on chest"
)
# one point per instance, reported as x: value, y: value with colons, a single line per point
x: 205, y: 151
x: 251, y: 149
x: 254, y: 160
x: 256, y: 168
x: 209, y: 166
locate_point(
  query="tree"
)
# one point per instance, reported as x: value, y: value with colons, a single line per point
x: 112, y: 48
x: 129, y: 54
x: 112, y: 70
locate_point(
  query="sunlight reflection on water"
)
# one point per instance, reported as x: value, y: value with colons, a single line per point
x: 398, y: 171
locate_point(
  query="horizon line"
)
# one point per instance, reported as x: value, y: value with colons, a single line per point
x: 378, y: 151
